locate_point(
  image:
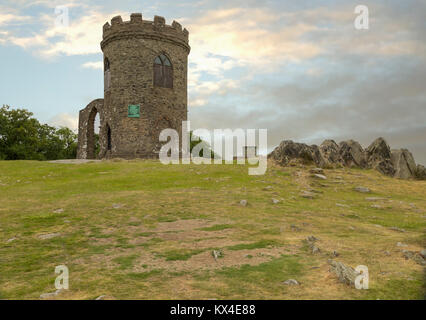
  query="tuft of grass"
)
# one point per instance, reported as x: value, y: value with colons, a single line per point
x: 217, y: 227
x: 125, y: 262
x: 179, y: 255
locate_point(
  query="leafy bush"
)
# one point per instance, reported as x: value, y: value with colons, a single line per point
x: 23, y: 137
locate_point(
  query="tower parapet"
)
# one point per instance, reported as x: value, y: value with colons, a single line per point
x: 137, y: 28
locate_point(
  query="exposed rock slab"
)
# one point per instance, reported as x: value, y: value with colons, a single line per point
x: 352, y: 154
x: 403, y: 163
x: 346, y: 274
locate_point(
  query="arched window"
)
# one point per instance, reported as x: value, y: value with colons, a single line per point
x: 106, y: 64
x: 109, y: 142
x: 163, y: 72
x: 107, y: 75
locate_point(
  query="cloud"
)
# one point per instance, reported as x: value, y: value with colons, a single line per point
x: 65, y: 120
x: 93, y: 65
x: 81, y: 37
x: 9, y: 18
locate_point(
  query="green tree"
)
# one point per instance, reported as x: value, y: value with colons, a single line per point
x: 22, y: 137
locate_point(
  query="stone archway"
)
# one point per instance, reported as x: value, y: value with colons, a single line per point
x: 91, y: 136
x: 86, y: 130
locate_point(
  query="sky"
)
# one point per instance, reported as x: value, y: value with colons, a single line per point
x: 297, y: 68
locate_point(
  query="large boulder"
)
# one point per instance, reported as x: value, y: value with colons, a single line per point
x: 421, y: 172
x: 329, y: 150
x: 289, y: 151
x: 378, y: 156
x: 352, y: 154
x: 403, y: 163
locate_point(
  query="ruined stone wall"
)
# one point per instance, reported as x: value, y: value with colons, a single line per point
x: 86, y: 138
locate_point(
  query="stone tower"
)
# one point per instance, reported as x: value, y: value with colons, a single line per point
x: 145, y: 89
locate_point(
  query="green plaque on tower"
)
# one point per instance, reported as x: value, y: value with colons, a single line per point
x: 133, y: 110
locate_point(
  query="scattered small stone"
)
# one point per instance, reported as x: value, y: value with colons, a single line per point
x: 117, y: 206
x: 362, y: 189
x: 311, y: 243
x: 50, y: 294
x: 243, y: 203
x: 320, y: 176
x: 275, y: 201
x: 387, y: 253
x: 376, y: 206
x: 315, y: 249
x: 10, y: 240
x: 267, y: 188
x: 400, y: 244
x: 417, y: 257
x: 307, y: 194
x: 311, y: 239
x: 374, y: 199
x: 352, y: 228
x: 67, y: 221
x: 342, y: 205
x: 316, y: 171
x: 291, y: 282
x: 101, y: 297
x: 423, y: 253
x: 58, y: 210
x: 295, y: 228
x: 49, y: 236
x: 397, y: 229
x: 217, y: 254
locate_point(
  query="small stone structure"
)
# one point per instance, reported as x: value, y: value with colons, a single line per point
x: 145, y: 89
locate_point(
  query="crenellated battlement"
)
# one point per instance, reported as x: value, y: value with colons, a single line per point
x: 136, y: 27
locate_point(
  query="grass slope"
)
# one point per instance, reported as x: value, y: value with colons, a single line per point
x: 140, y: 229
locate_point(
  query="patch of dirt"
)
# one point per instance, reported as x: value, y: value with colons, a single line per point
x: 205, y: 261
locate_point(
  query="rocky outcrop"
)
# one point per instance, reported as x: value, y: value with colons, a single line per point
x: 403, y: 163
x: 344, y: 273
x: 378, y: 156
x: 289, y: 151
x: 421, y: 172
x: 329, y: 150
x: 394, y: 163
x: 352, y: 154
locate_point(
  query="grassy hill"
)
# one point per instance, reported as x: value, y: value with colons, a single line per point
x: 140, y: 229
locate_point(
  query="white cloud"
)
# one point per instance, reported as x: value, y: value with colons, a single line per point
x: 65, y: 120
x: 81, y: 37
x: 93, y: 65
x: 10, y: 18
